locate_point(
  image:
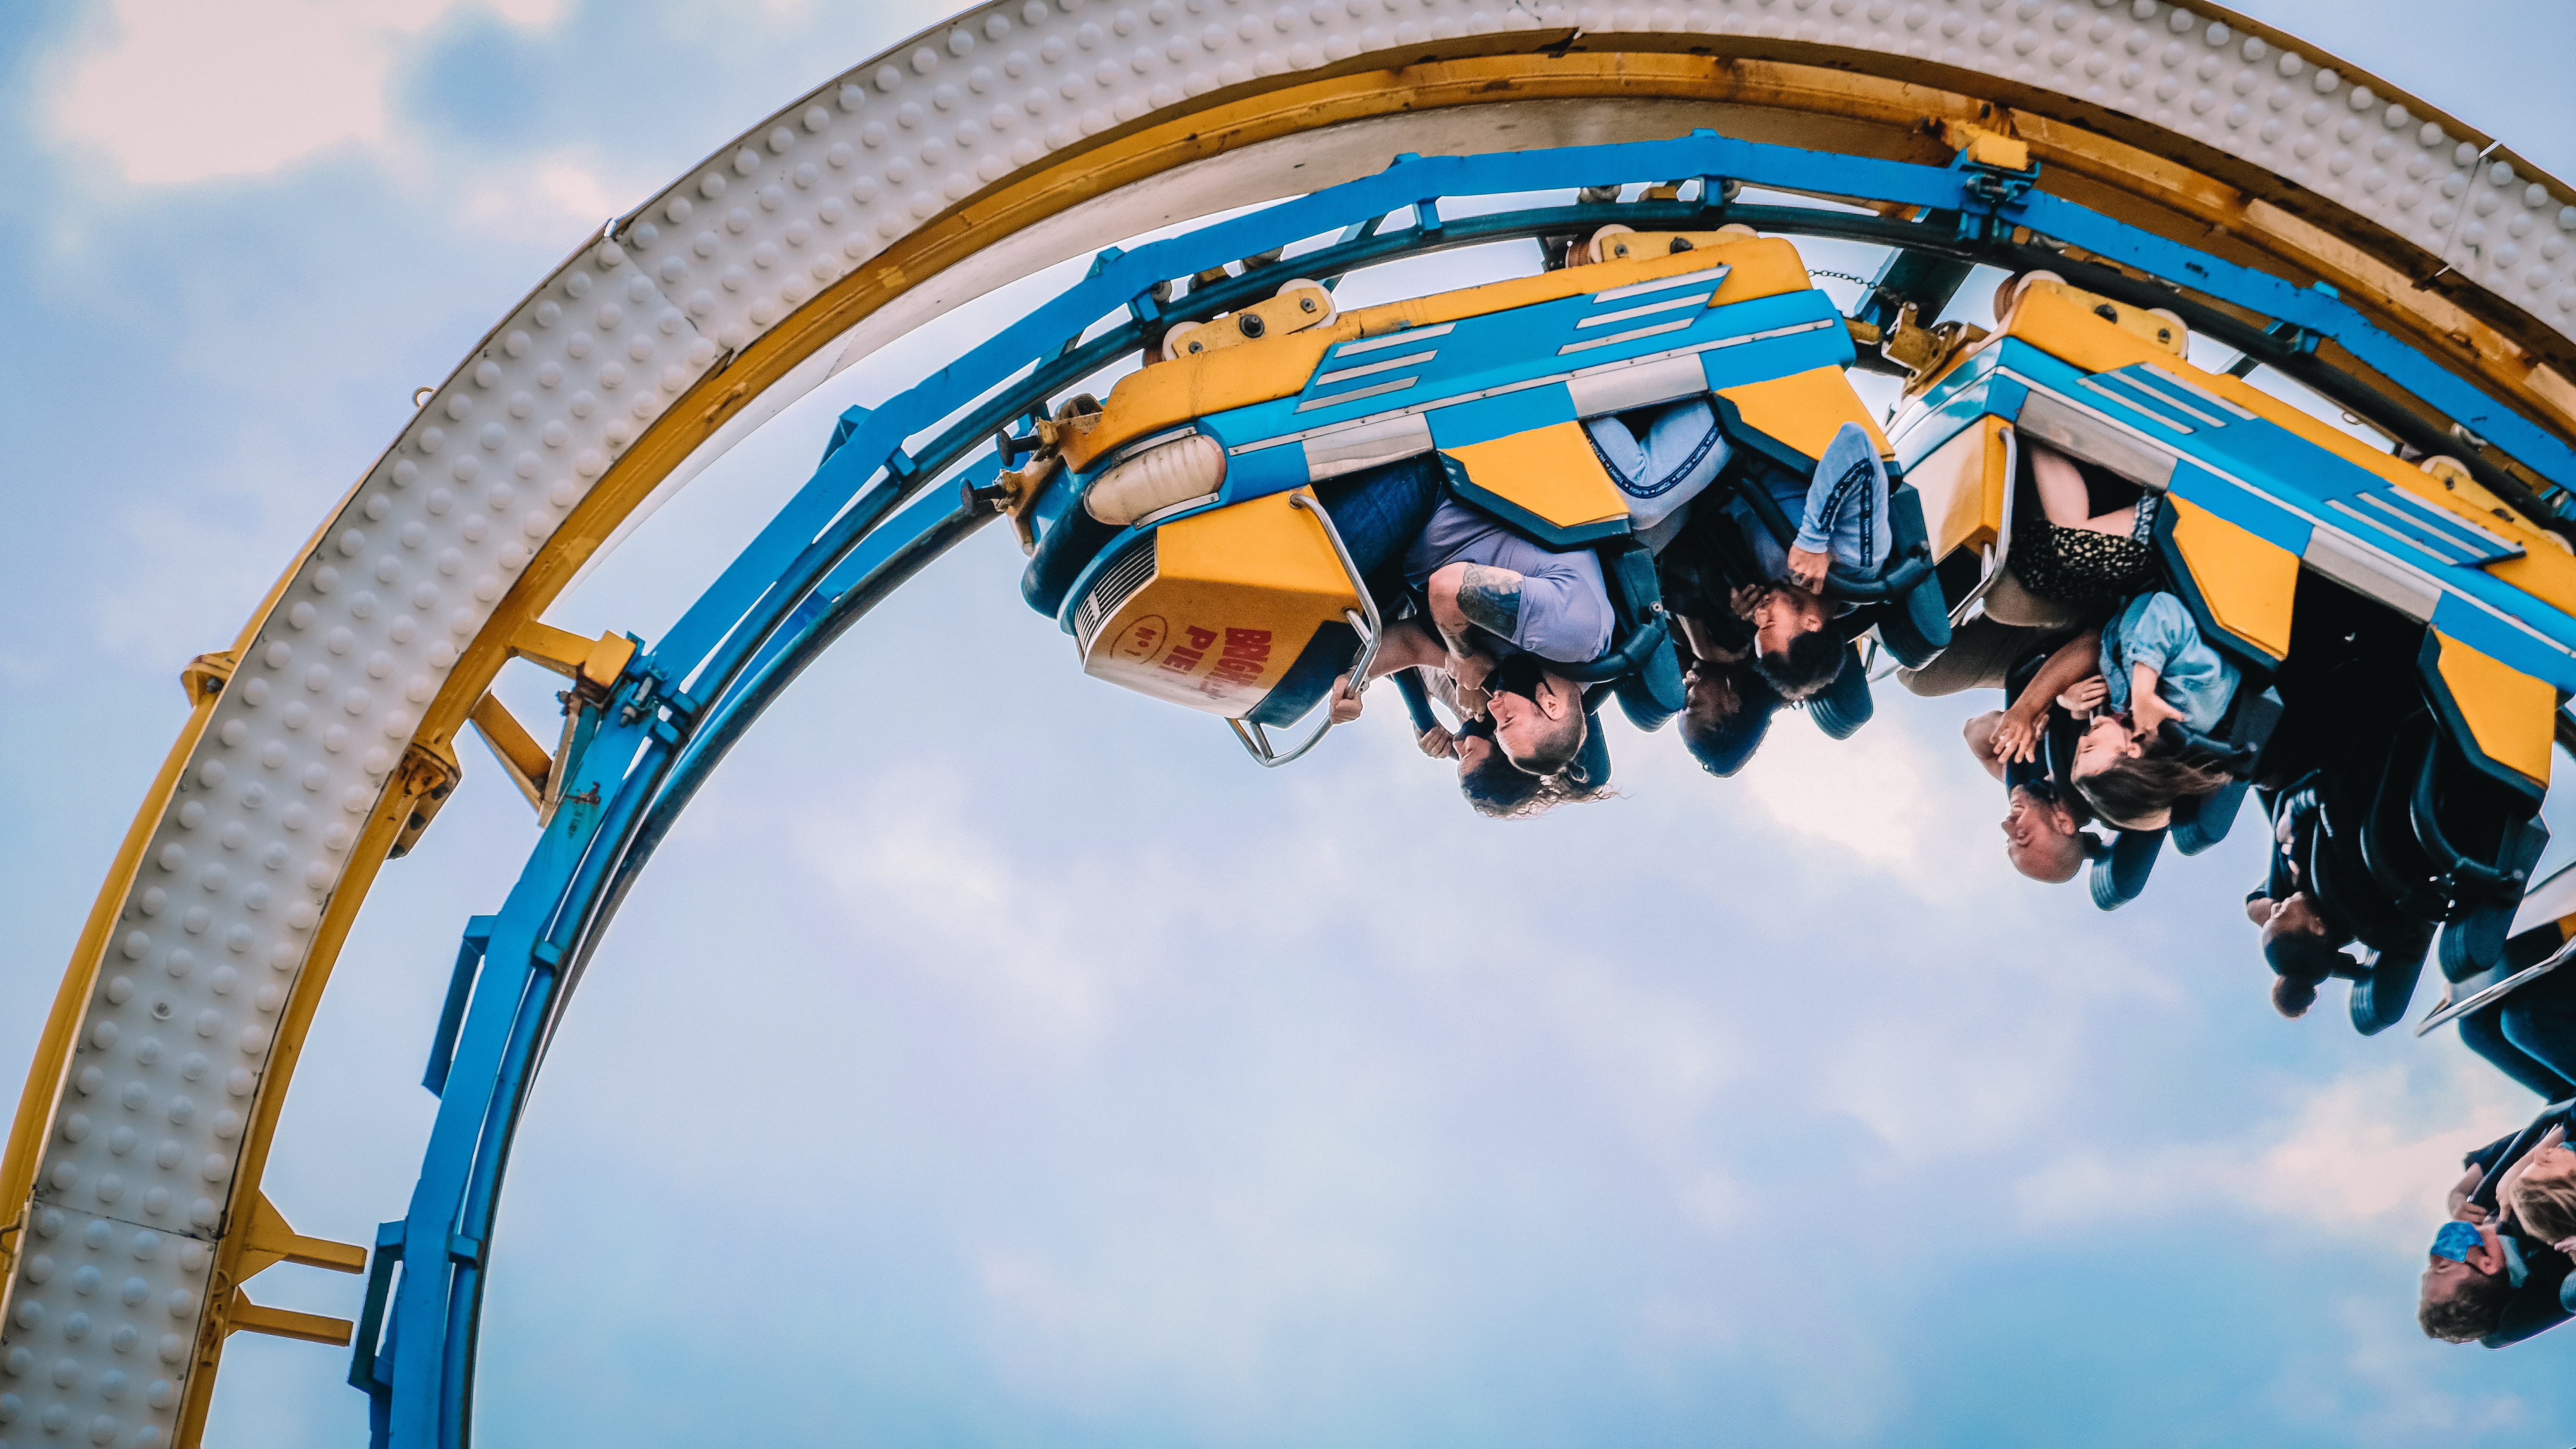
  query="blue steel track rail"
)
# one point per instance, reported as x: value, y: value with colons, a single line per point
x: 865, y: 524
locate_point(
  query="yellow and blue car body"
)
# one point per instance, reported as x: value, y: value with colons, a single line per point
x: 1208, y: 601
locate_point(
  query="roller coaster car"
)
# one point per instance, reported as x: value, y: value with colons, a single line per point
x: 2255, y: 491
x: 1188, y: 551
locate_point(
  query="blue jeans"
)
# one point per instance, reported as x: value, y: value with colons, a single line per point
x: 1377, y: 511
x: 2530, y: 1036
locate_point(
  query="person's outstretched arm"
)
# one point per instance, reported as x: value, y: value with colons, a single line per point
x: 1846, y: 510
x: 2460, y: 1206
x: 2017, y: 733
x: 1979, y: 732
x: 1403, y: 644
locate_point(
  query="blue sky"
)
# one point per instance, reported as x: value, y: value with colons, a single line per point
x: 998, y: 1058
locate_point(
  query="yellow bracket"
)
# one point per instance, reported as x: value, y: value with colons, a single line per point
x: 1014, y: 494
x: 243, y: 1315
x: 431, y: 772
x: 206, y: 674
x: 1298, y: 306
x: 1616, y: 243
x: 1927, y: 354
x: 595, y: 662
x: 522, y: 758
x: 268, y: 1240
x: 1983, y: 147
x: 1907, y: 343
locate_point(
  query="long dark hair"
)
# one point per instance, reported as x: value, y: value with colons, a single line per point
x: 2134, y: 789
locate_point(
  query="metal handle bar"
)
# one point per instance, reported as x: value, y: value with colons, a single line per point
x: 2482, y: 999
x: 1363, y: 620
x: 1896, y: 583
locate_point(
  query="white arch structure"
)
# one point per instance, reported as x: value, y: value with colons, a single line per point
x: 975, y: 153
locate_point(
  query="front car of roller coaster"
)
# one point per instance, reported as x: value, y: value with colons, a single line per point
x: 2168, y: 162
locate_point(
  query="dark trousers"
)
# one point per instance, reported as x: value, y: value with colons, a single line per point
x: 2530, y: 1036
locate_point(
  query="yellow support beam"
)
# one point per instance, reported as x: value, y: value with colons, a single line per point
x: 1984, y: 147
x: 592, y: 661
x: 246, y: 1316
x: 527, y: 763
x: 429, y: 774
x: 269, y: 1240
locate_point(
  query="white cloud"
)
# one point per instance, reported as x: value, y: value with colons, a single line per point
x: 2387, y: 1389
x: 176, y: 91
x: 1884, y: 795
x: 2359, y: 1159
x: 545, y: 201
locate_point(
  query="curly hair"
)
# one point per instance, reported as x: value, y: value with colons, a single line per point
x: 1500, y: 790
x: 2470, y: 1312
x: 1811, y: 661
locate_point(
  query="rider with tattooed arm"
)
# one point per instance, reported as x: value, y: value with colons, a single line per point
x: 1501, y: 610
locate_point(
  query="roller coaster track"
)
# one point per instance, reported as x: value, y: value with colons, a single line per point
x: 2411, y: 269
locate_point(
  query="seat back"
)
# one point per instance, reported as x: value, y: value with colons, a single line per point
x: 1842, y: 707
x: 1589, y: 770
x: 2201, y: 821
x: 1915, y: 628
x: 2356, y: 856
x: 2120, y: 871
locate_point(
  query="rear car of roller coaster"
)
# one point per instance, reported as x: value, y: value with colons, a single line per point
x: 2158, y: 156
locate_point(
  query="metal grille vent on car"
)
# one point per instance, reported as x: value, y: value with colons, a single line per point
x: 1118, y: 583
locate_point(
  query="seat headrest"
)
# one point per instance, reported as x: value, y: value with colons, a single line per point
x: 1731, y: 746
x: 2194, y: 748
x: 1589, y: 770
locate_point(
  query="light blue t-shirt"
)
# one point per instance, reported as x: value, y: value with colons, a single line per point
x: 1841, y: 509
x: 2157, y: 631
x: 1565, y: 604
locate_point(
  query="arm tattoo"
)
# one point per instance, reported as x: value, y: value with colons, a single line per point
x: 1490, y: 598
